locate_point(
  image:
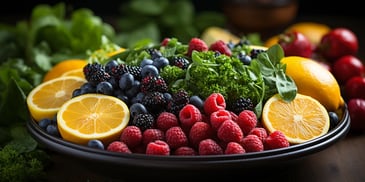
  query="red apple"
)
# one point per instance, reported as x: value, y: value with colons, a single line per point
x: 295, y: 44
x: 355, y: 88
x: 337, y: 43
x: 356, y: 108
x: 347, y: 67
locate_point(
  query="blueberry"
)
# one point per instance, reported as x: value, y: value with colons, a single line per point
x: 43, y: 123
x: 104, y: 88
x: 110, y: 65
x: 123, y: 97
x: 138, y: 97
x: 76, y: 92
x: 87, y: 88
x: 146, y: 62
x: 333, y: 119
x: 114, y: 82
x: 149, y: 70
x: 97, y: 144
x: 167, y: 96
x: 197, y: 102
x: 134, y: 90
x: 161, y: 62
x: 245, y: 59
x: 52, y: 130
x: 126, y: 81
x: 137, y: 108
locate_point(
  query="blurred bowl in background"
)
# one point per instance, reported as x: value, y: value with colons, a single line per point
x: 261, y: 16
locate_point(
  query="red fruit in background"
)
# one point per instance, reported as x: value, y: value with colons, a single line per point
x: 355, y: 88
x: 356, y: 109
x: 295, y: 44
x: 337, y: 43
x: 347, y: 67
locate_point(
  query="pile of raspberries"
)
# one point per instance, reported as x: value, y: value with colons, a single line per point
x: 218, y: 131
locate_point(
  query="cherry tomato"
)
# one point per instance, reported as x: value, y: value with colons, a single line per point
x: 347, y: 67
x: 355, y: 88
x: 295, y: 44
x: 356, y: 109
x: 337, y: 43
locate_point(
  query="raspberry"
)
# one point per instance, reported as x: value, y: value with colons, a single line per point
x: 185, y: 151
x: 252, y: 143
x: 197, y: 45
x: 166, y: 120
x: 234, y: 148
x: 158, y: 147
x: 165, y: 41
x: 260, y: 132
x: 229, y: 131
x: 176, y: 137
x: 214, y: 102
x: 118, y: 146
x: 152, y: 134
x: 189, y: 115
x: 247, y: 120
x: 131, y: 136
x: 218, y: 117
x: 209, y: 147
x: 276, y: 140
x: 220, y: 47
x: 198, y: 132
x: 233, y: 116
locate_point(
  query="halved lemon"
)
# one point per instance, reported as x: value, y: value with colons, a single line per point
x: 92, y: 116
x: 46, y: 99
x: 64, y: 66
x: 301, y: 120
x: 75, y: 72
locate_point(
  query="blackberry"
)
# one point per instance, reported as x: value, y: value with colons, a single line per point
x: 179, y: 61
x: 241, y: 104
x: 152, y: 83
x: 255, y: 52
x: 143, y: 121
x: 180, y: 97
x: 178, y: 101
x: 118, y: 71
x: 154, y: 102
x: 154, y: 53
x: 95, y: 73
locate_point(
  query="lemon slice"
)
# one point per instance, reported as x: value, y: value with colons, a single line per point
x: 92, y: 116
x: 301, y: 120
x: 46, y: 99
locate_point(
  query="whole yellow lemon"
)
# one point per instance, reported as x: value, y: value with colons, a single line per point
x: 314, y: 80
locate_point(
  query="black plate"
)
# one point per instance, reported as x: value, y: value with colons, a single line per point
x: 113, y: 164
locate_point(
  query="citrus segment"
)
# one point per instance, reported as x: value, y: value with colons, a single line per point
x: 314, y: 80
x: 60, y: 68
x: 45, y: 99
x: 301, y: 120
x: 92, y: 116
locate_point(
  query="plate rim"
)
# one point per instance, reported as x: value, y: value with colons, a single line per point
x: 193, y: 162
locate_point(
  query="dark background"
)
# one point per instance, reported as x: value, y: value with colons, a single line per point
x: 109, y: 7
x: 332, y: 13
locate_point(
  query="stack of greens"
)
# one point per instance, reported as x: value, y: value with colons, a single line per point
x: 28, y: 50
